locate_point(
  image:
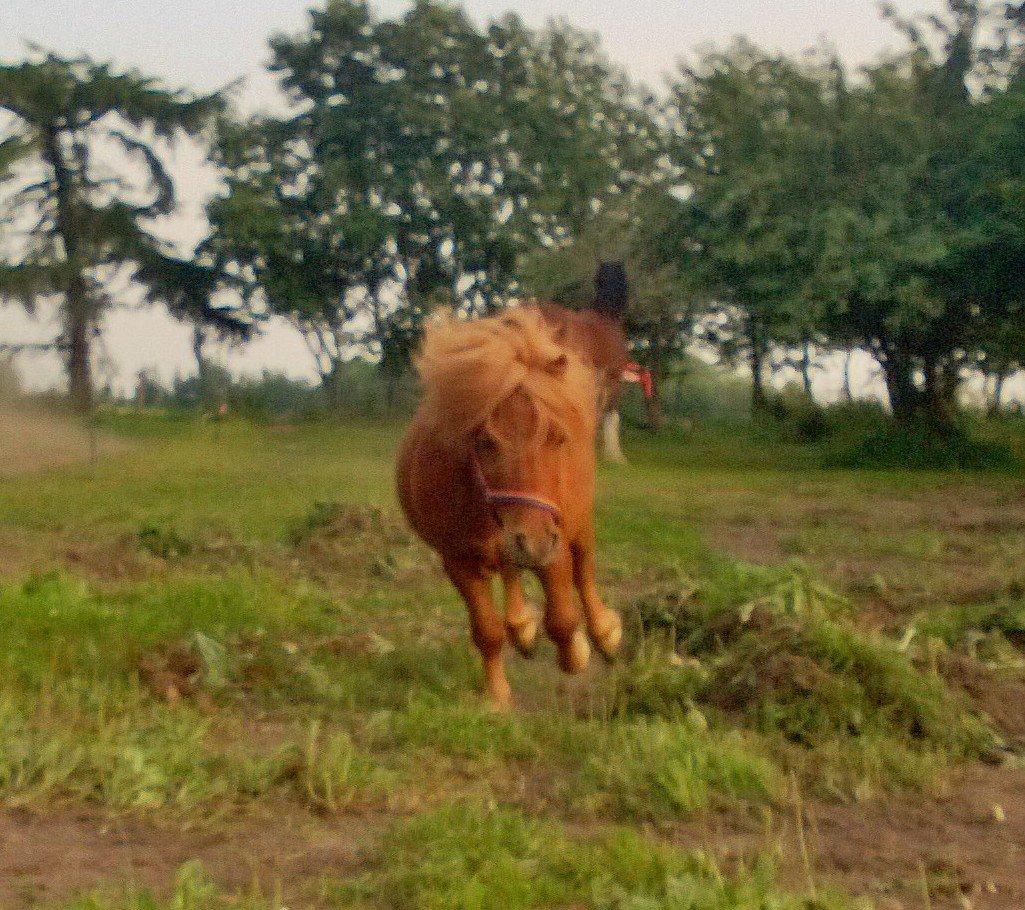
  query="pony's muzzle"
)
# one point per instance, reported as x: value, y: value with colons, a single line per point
x: 531, y: 547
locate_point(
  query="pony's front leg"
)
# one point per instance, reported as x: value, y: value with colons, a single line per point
x: 521, y: 619
x: 603, y: 624
x: 562, y: 616
x: 473, y: 583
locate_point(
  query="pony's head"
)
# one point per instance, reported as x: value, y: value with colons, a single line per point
x: 513, y: 403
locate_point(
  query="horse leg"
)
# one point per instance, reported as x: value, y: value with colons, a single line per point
x: 473, y: 584
x: 521, y: 619
x: 603, y: 624
x: 562, y: 616
x: 611, y: 447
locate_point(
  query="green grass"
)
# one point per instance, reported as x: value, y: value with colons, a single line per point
x: 192, y: 889
x: 227, y: 617
x: 475, y: 857
x: 781, y: 653
x: 657, y: 769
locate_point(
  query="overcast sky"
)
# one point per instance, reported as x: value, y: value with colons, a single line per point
x: 206, y: 44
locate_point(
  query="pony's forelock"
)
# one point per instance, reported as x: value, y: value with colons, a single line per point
x: 468, y: 368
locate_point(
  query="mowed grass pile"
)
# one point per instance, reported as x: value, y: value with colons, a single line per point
x: 228, y: 616
x: 776, y: 651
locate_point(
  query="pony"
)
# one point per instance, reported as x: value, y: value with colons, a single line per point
x: 597, y: 334
x: 496, y: 473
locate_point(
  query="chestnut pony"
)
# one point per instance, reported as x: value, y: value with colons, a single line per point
x: 496, y: 473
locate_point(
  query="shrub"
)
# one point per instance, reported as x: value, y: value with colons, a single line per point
x: 864, y: 440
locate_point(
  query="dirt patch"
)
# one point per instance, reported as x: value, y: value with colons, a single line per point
x: 953, y: 544
x: 51, y: 857
x: 968, y: 851
x: 969, y: 848
x: 1001, y: 696
x: 32, y: 441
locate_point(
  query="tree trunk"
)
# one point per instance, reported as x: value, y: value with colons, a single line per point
x: 78, y: 316
x: 612, y: 449
x: 938, y: 400
x: 80, y: 382
x: 996, y: 401
x: 900, y: 386
x: 202, y: 374
x: 759, y: 399
x: 848, y: 394
x: 806, y: 369
x: 653, y: 403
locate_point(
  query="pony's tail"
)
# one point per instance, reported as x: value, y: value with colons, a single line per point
x: 611, y: 290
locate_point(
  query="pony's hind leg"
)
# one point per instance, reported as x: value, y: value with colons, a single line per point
x: 473, y: 583
x: 562, y: 617
x: 521, y: 617
x: 604, y: 625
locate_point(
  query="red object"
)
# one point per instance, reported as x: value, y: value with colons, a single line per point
x: 634, y: 372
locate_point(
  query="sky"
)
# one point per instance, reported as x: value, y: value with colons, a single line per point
x: 207, y: 44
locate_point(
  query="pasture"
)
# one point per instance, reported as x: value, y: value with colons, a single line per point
x: 231, y: 678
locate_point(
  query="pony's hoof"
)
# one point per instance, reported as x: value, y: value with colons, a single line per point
x: 576, y: 657
x: 524, y: 634
x: 610, y: 639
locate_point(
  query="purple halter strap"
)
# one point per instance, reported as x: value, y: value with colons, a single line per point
x: 496, y: 498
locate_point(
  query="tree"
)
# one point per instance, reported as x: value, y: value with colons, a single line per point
x: 984, y: 265
x: 665, y: 303
x: 423, y: 156
x: 900, y: 219
x: 72, y: 117
x: 194, y: 292
x: 757, y: 141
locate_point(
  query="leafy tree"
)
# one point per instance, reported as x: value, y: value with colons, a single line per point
x: 72, y: 117
x: 901, y: 219
x: 665, y: 302
x: 196, y: 291
x: 984, y: 266
x: 758, y: 138
x: 422, y: 158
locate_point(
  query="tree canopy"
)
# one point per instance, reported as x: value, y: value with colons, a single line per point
x: 87, y: 219
x: 422, y: 158
x: 779, y: 208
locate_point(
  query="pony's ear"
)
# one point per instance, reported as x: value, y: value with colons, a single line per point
x: 557, y: 366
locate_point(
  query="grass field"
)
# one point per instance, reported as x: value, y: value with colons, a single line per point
x: 230, y: 678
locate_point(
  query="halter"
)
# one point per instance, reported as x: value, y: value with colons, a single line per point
x: 495, y: 498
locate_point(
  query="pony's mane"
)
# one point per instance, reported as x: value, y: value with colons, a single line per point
x: 468, y: 368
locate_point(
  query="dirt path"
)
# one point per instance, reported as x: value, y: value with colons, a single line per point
x: 31, y: 440
x: 970, y: 849
x: 53, y: 855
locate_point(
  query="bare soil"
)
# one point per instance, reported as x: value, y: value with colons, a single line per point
x: 31, y: 441
x: 49, y: 857
x: 969, y: 850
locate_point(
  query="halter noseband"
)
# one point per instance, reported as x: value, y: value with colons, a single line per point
x: 495, y: 498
